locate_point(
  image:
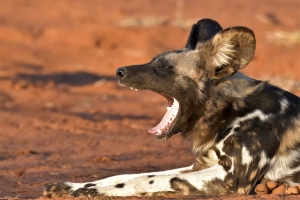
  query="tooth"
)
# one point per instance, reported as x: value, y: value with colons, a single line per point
x: 131, y: 88
x: 168, y: 108
x: 159, y: 131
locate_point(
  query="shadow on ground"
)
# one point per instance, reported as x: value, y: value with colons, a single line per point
x: 79, y: 78
x: 103, y: 116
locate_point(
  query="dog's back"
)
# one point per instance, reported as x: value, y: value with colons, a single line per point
x: 254, y: 125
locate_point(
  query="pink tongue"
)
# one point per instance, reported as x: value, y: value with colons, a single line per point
x: 167, y: 119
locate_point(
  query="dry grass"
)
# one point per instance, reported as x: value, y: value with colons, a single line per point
x: 284, y: 38
x: 148, y: 21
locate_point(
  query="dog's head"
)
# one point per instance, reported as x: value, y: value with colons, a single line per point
x: 184, y: 77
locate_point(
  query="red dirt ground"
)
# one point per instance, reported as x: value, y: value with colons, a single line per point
x: 63, y: 116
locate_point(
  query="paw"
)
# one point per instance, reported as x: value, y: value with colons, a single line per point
x: 56, y: 190
x: 86, y: 192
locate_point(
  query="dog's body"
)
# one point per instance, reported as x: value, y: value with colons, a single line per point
x: 243, y: 130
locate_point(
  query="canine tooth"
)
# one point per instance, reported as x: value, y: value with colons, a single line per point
x: 131, y: 88
x: 159, y: 131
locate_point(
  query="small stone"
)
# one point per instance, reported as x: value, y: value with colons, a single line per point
x: 20, y: 84
x: 293, y: 190
x: 279, y: 190
x: 19, y: 173
x: 272, y: 185
x: 261, y: 189
x: 50, y: 84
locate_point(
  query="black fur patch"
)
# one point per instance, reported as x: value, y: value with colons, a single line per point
x: 89, y: 185
x: 56, y: 190
x: 151, y: 182
x: 202, y: 31
x: 120, y: 185
x: 85, y: 192
x: 150, y: 176
x: 225, y: 161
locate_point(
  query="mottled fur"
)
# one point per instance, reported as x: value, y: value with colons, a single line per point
x: 243, y: 130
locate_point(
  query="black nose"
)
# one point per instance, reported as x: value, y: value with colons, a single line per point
x: 121, y: 72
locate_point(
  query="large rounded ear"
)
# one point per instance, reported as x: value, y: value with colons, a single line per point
x: 228, y: 51
x: 202, y: 31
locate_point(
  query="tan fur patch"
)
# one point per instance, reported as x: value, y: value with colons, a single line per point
x: 290, y: 138
x: 253, y: 175
x: 244, y: 190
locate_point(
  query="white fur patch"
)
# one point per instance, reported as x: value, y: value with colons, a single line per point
x: 111, y: 181
x: 263, y: 160
x: 284, y: 105
x: 246, y: 157
x: 232, y: 165
x: 224, y: 54
x: 256, y: 113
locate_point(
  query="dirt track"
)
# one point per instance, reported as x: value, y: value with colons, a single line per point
x: 63, y: 116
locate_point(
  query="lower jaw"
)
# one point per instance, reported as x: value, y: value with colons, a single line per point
x: 164, y: 136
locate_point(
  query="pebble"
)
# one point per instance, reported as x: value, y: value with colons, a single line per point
x: 261, y: 189
x: 292, y: 190
x: 279, y: 190
x: 272, y: 185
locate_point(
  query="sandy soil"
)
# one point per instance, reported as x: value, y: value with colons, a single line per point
x: 63, y: 116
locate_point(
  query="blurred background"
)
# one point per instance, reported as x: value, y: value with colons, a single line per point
x: 64, y: 117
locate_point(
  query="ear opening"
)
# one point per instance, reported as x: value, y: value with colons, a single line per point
x: 229, y: 51
x: 202, y: 31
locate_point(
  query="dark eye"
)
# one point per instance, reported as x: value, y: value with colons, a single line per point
x: 219, y: 68
x: 167, y: 66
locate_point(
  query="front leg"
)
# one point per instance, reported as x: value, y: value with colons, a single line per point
x: 210, y: 181
x: 65, y: 189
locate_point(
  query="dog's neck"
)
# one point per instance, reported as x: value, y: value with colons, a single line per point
x: 226, y: 102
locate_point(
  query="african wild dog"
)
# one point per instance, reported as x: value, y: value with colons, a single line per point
x: 242, y: 130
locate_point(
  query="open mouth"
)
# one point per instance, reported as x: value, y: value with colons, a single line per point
x: 161, y: 130
x: 165, y: 124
